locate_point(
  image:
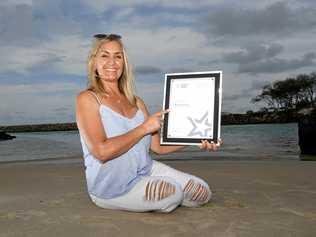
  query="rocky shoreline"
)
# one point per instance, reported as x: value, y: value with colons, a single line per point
x: 226, y: 119
x: 40, y: 127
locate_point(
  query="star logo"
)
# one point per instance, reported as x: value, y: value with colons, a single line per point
x: 201, y: 127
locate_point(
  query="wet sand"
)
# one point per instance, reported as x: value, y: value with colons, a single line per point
x: 251, y: 198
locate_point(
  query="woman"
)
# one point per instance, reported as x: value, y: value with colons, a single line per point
x: 116, y: 133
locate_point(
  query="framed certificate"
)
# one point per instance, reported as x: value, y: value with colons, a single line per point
x: 194, y: 101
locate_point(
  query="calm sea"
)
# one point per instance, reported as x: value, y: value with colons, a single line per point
x: 241, y: 142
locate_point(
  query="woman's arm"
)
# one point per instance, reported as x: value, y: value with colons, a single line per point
x: 155, y: 139
x: 91, y: 128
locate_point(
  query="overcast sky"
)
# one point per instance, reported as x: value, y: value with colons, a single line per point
x: 44, y: 46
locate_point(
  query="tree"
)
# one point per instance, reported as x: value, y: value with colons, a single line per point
x: 289, y: 94
x: 308, y: 83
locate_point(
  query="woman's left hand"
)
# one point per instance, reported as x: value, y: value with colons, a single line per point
x: 210, y: 146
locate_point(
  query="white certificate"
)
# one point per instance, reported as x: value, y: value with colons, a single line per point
x: 194, y: 101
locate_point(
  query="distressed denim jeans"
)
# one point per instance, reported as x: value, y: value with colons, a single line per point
x: 163, y: 190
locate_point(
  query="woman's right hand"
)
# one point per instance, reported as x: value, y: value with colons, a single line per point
x: 153, y: 122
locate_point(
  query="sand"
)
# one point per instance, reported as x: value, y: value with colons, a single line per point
x: 251, y: 198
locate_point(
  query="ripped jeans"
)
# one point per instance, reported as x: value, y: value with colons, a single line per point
x: 164, y: 190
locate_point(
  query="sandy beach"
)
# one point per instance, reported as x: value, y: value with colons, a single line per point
x: 251, y: 198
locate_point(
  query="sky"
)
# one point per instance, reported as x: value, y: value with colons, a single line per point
x: 44, y: 46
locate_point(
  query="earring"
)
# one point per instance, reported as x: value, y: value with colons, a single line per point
x: 97, y: 74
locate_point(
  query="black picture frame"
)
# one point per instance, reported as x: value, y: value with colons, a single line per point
x: 214, y: 75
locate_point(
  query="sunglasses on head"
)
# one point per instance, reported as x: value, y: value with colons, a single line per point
x: 107, y: 36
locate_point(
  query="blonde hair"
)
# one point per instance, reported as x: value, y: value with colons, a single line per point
x: 125, y: 82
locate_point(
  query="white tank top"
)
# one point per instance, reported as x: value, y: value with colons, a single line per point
x: 117, y: 176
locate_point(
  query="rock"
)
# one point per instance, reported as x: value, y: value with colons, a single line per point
x: 5, y: 136
x: 307, y: 133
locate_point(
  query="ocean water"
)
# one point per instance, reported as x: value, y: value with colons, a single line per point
x: 241, y: 142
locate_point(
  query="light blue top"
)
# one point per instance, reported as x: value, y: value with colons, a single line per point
x: 119, y: 175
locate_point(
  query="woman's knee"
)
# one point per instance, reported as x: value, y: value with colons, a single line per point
x: 159, y: 189
x: 197, y: 191
x: 163, y: 193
